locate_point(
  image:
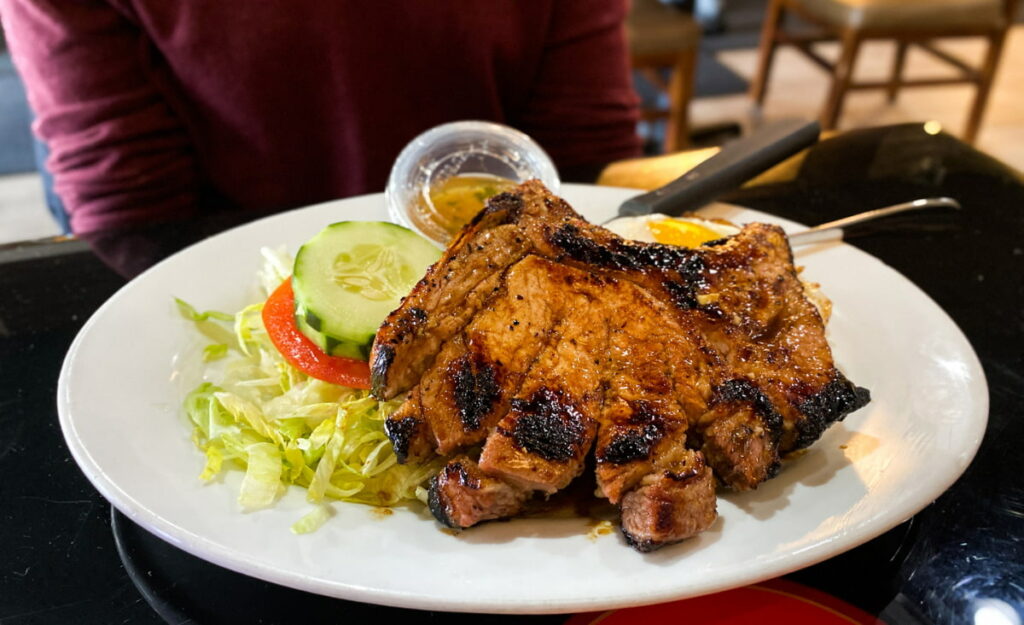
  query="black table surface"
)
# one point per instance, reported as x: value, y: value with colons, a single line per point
x: 67, y: 557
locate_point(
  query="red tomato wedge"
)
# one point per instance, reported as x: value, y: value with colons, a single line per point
x: 302, y: 353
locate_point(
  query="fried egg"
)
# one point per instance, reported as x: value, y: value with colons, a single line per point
x: 688, y: 231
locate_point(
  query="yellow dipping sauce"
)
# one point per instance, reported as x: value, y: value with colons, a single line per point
x: 449, y: 205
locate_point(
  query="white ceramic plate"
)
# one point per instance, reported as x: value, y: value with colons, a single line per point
x: 124, y: 378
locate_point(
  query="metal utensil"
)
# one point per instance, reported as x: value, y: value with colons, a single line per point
x: 836, y: 230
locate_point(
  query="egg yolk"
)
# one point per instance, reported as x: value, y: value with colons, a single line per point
x: 681, y: 233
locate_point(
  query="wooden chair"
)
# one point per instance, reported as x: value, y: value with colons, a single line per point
x: 660, y: 37
x: 908, y: 22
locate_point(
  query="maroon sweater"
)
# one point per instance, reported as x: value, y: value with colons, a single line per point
x: 161, y: 110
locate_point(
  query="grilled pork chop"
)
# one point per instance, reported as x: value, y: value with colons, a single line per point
x: 545, y: 338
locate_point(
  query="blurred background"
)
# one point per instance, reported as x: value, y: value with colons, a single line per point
x: 714, y: 45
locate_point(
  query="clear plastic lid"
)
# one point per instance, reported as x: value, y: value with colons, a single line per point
x: 488, y: 155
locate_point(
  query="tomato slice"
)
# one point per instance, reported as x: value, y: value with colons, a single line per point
x: 302, y: 353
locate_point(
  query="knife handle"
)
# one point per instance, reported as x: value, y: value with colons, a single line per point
x: 733, y: 165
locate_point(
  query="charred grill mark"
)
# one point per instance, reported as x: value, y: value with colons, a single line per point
x: 713, y: 311
x: 402, y: 432
x: 438, y: 504
x: 476, y: 390
x: 549, y: 426
x: 683, y: 476
x: 385, y: 355
x: 635, y: 444
x: 452, y: 473
x: 510, y: 202
x: 578, y: 247
x: 405, y: 324
x: 739, y: 389
x: 623, y: 256
x: 690, y: 470
x: 630, y: 446
x: 683, y: 294
x: 832, y: 403
x: 691, y: 268
x: 643, y: 545
x: 715, y: 242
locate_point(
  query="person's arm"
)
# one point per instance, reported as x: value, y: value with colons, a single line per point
x: 583, y: 109
x: 120, y: 157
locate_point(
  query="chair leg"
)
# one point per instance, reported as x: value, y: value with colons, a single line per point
x: 653, y: 76
x: 680, y: 93
x: 841, y: 78
x: 986, y: 76
x: 897, y: 71
x: 772, y: 20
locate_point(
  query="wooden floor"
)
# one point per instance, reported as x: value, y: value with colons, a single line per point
x: 797, y: 89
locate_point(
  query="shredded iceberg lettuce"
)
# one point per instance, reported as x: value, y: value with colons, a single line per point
x: 312, y: 521
x: 283, y: 427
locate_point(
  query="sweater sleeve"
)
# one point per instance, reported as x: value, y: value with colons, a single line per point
x: 582, y: 108
x: 119, y: 155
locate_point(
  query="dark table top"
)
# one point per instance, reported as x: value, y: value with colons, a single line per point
x: 67, y: 557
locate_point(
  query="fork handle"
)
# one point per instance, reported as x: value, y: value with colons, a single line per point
x: 836, y: 230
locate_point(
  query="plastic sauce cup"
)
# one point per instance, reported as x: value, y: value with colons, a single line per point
x: 444, y: 175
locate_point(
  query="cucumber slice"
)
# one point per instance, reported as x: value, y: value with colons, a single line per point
x: 350, y: 276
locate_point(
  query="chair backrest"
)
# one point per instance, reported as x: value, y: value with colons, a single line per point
x: 658, y: 31
x: 1010, y: 8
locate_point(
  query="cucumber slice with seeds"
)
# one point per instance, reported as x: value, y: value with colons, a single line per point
x: 350, y: 276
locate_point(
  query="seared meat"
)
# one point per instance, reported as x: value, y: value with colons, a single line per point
x: 462, y: 495
x: 656, y: 377
x: 454, y: 289
x: 543, y: 440
x: 543, y: 336
x: 740, y: 436
x: 466, y: 389
x: 670, y: 505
